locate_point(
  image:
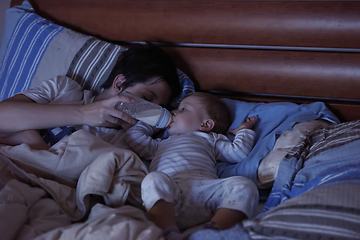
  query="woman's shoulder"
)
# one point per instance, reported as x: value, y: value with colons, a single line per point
x: 65, y: 82
x: 58, y: 83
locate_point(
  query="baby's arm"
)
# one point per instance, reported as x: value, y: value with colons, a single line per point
x: 139, y: 138
x: 29, y: 137
x: 227, y: 151
x: 248, y: 124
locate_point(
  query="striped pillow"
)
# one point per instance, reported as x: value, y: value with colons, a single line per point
x: 27, y: 45
x: 94, y: 60
x: 34, y: 49
x: 312, y: 215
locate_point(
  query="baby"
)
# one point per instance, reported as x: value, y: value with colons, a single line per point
x: 182, y: 189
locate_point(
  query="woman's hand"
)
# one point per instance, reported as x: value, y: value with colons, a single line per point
x: 248, y: 124
x: 104, y: 114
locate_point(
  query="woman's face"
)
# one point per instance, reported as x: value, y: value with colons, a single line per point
x: 155, y: 90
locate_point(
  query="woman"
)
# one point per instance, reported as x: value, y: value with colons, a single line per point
x: 146, y: 71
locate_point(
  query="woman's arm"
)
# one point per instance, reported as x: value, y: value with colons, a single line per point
x: 20, y: 113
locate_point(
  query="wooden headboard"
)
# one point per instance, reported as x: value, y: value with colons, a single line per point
x: 299, y: 51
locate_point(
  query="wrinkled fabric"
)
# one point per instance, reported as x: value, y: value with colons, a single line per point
x: 43, y: 190
x: 328, y: 156
x: 272, y: 119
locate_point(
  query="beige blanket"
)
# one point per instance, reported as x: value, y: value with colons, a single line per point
x: 46, y: 190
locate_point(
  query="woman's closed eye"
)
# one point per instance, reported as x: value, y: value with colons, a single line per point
x: 148, y: 98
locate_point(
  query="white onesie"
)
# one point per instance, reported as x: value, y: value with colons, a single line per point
x: 182, y: 171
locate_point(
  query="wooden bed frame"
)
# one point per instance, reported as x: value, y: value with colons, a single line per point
x: 299, y: 51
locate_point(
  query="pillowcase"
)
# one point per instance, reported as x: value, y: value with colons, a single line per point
x: 327, y: 212
x: 34, y: 49
x: 312, y: 215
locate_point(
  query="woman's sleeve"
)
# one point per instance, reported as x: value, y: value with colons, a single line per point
x: 139, y: 138
x: 234, y: 152
x: 60, y: 89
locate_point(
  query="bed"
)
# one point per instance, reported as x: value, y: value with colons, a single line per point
x: 295, y: 65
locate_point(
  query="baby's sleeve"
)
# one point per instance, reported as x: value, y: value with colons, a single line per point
x: 234, y: 152
x: 139, y: 138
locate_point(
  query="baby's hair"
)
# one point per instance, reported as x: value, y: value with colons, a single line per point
x: 217, y: 110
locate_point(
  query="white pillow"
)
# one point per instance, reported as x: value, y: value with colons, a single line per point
x: 269, y: 165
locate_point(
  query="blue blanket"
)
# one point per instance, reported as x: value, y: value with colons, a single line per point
x: 329, y: 156
x: 272, y: 120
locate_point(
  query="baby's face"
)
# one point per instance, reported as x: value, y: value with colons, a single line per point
x: 189, y: 116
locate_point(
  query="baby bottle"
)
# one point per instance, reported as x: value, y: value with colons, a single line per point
x: 145, y: 111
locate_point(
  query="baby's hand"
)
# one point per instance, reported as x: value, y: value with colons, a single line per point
x: 248, y: 124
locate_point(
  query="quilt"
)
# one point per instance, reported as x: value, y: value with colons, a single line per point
x: 57, y: 190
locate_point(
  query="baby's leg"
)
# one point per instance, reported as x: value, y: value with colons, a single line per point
x: 29, y: 137
x: 225, y: 218
x: 238, y: 202
x: 162, y: 214
x: 157, y: 193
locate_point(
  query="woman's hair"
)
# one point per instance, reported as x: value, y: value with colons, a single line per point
x: 217, y: 110
x: 141, y: 63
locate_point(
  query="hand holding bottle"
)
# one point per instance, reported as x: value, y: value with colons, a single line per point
x: 145, y: 111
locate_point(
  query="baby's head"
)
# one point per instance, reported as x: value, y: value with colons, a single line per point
x: 200, y: 111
